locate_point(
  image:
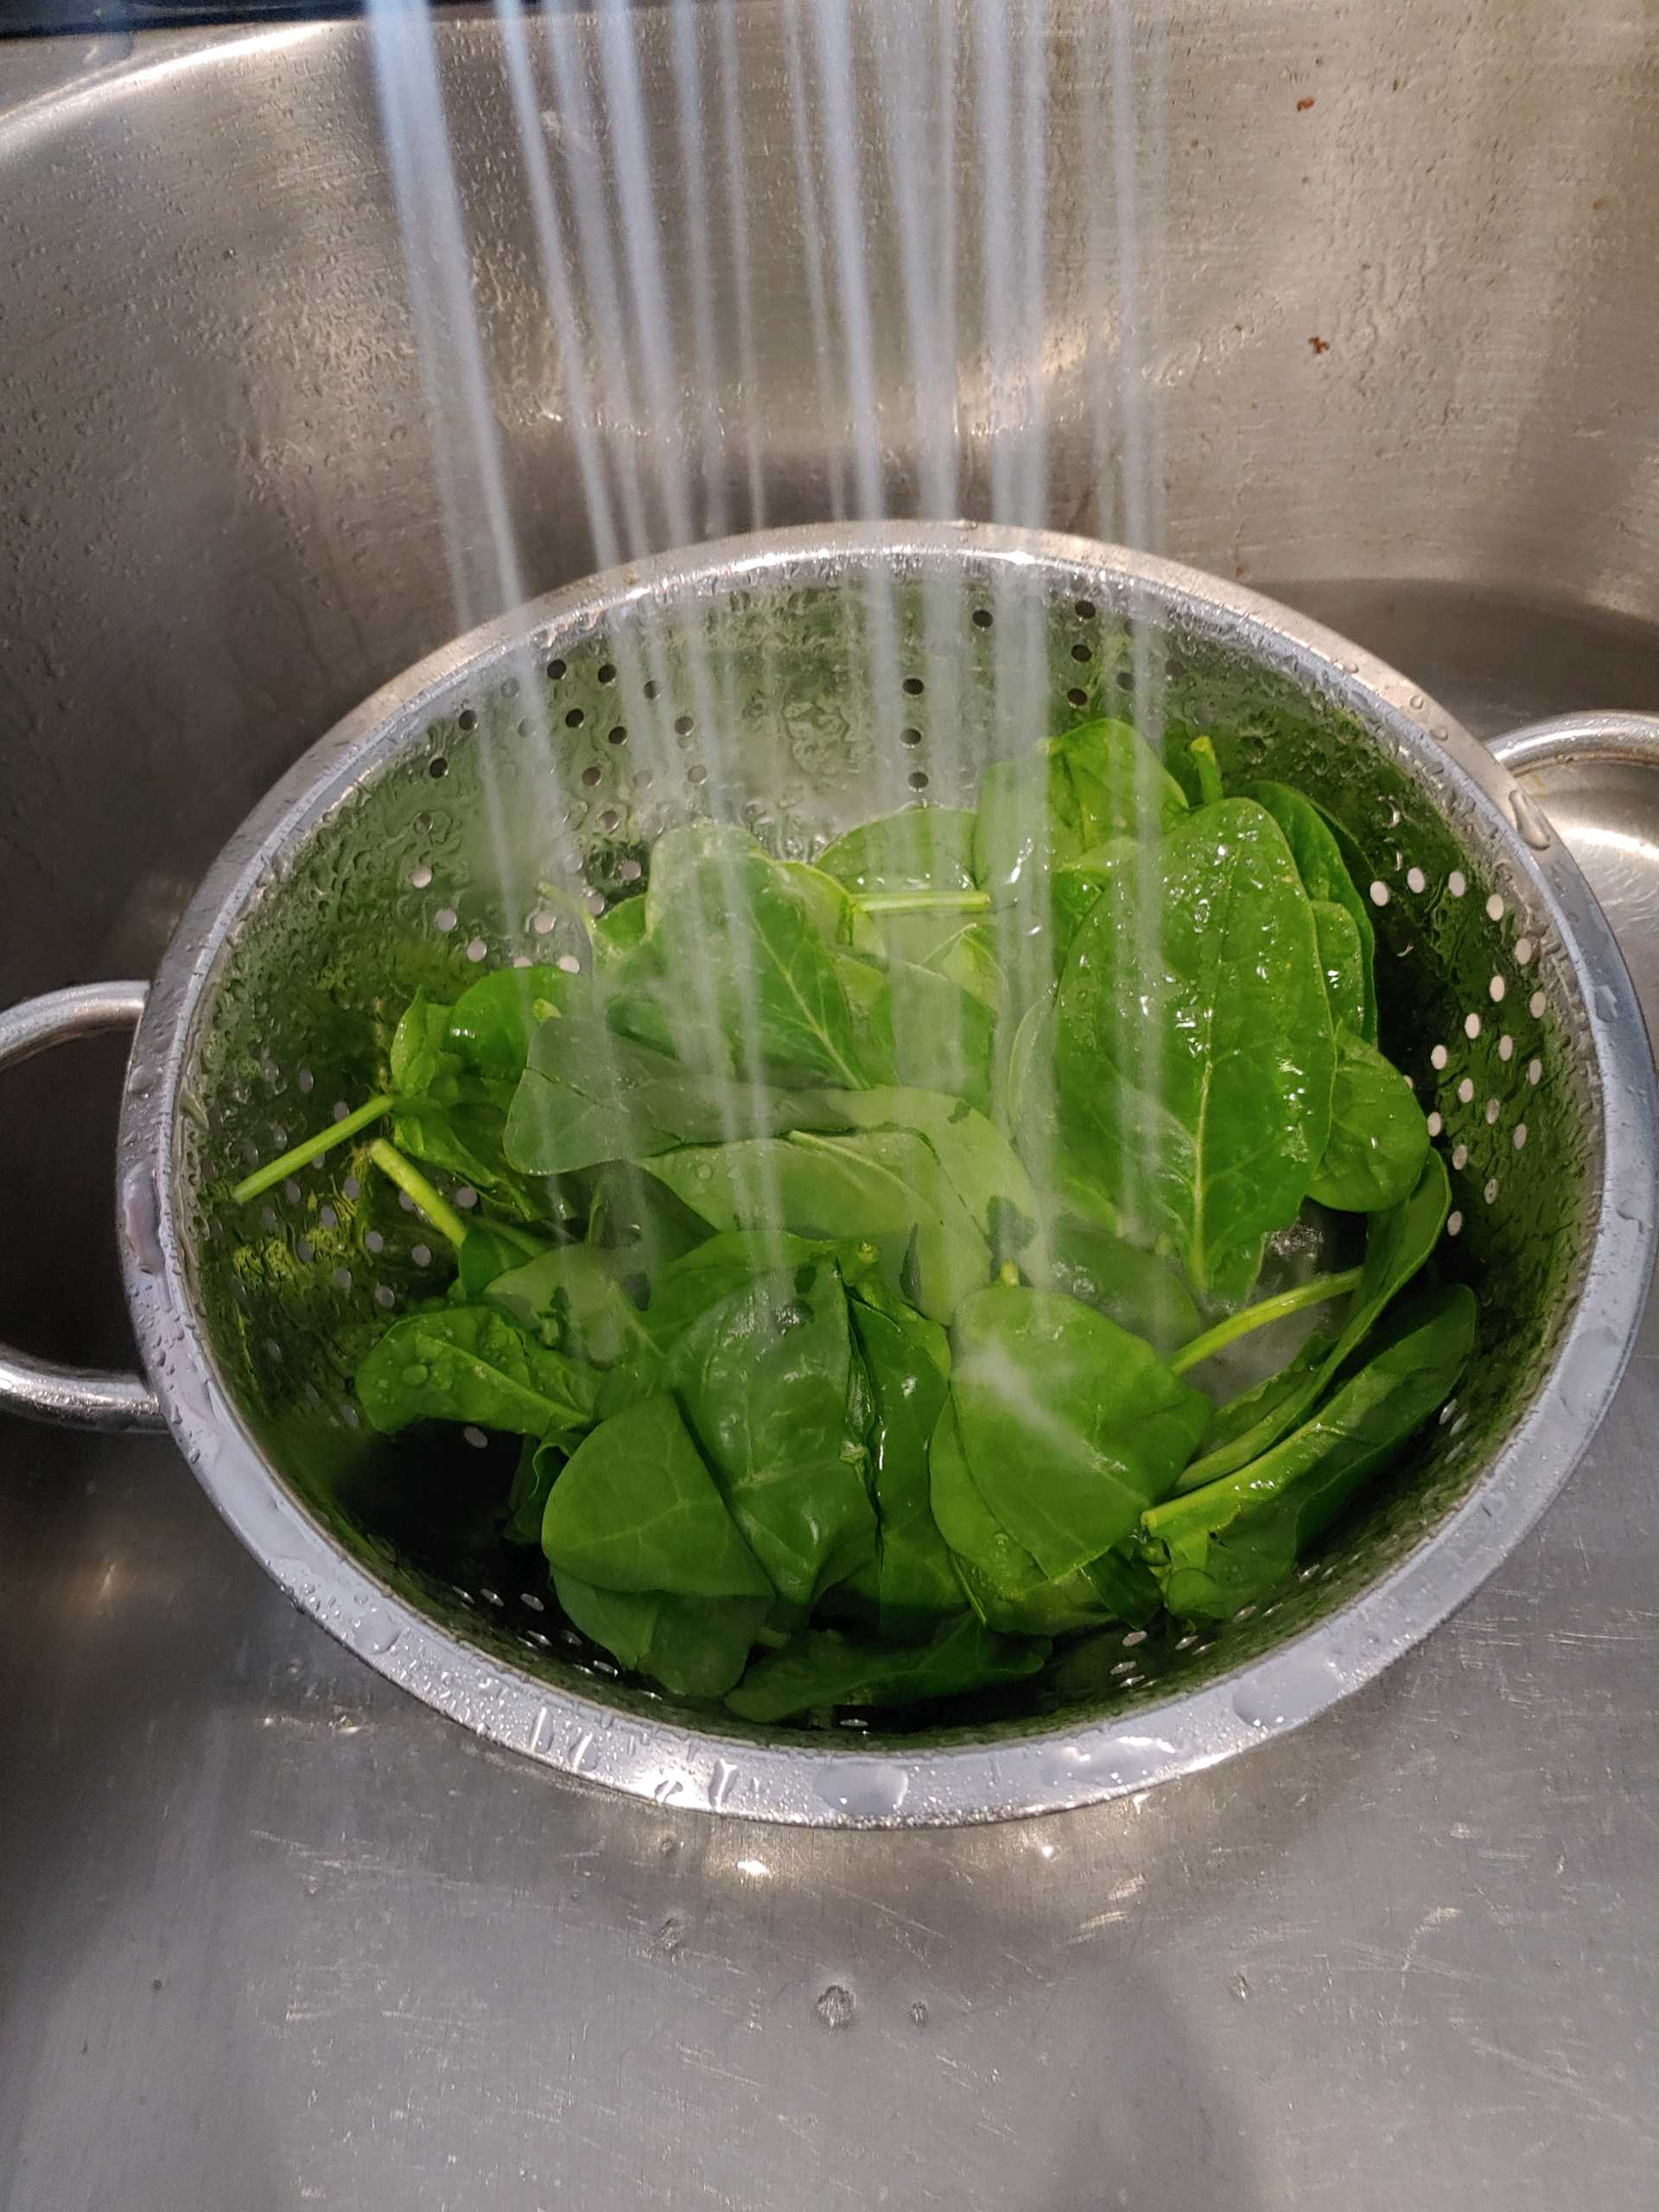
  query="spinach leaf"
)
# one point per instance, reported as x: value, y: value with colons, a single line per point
x: 572, y: 1298
x: 883, y: 1186
x: 629, y: 1210
x: 1007, y: 1588
x: 733, y: 974
x: 532, y: 1479
x: 1341, y: 961
x: 1193, y: 1054
x: 452, y: 1119
x: 472, y: 1364
x: 1234, y: 1542
x: 488, y: 1250
x: 942, y: 944
x: 923, y: 848
x: 979, y: 1163
x: 490, y: 1024
x: 943, y: 1037
x: 1071, y: 1426
x: 618, y: 930
x: 588, y: 1096
x: 647, y: 1559
x: 1136, y: 1289
x: 773, y: 1390
x: 1325, y: 875
x: 1378, y: 1138
x: 911, y: 1581
x: 1046, y: 806
x: 422, y: 1064
x: 1397, y: 1243
x: 821, y: 1669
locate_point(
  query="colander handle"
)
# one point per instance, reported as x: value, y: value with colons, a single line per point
x: 72, y: 1397
x: 1633, y: 737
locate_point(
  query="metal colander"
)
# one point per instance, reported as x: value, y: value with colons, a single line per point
x: 801, y: 683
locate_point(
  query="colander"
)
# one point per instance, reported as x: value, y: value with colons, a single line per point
x: 803, y: 680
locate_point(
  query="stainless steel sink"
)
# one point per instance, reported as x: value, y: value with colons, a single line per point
x: 282, y: 1936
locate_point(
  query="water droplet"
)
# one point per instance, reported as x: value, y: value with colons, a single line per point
x: 1535, y: 830
x: 670, y: 1937
x: 919, y: 2013
x: 837, y: 2006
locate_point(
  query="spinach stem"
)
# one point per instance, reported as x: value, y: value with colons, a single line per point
x: 301, y: 1155
x: 1314, y: 1292
x: 404, y: 1173
x: 1202, y: 753
x: 923, y: 902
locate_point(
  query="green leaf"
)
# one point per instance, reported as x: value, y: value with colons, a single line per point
x: 588, y: 1096
x: 1325, y: 875
x: 645, y: 1557
x: 911, y: 1582
x: 490, y: 1024
x: 943, y: 1037
x: 1136, y: 1289
x: 963, y: 952
x: 618, y: 930
x: 421, y: 1065
x: 923, y: 848
x: 472, y: 1364
x: 1378, y: 1138
x: 767, y: 1383
x: 636, y: 1510
x: 532, y: 1479
x: 1234, y: 1542
x: 1007, y: 1588
x: 572, y: 1298
x: 1341, y: 961
x: 488, y: 1250
x: 1192, y: 1044
x: 1049, y: 806
x: 980, y: 1165
x: 1397, y: 1243
x: 883, y: 1186
x: 821, y: 1669
x: 733, y: 974
x: 1071, y: 1426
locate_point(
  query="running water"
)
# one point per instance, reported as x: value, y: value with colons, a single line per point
x: 974, y: 188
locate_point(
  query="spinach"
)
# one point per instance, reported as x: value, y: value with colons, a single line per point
x: 1397, y: 1243
x: 1325, y: 876
x: 942, y: 944
x: 532, y: 1479
x: 490, y: 1024
x: 923, y: 848
x: 980, y: 1165
x: 733, y: 975
x: 1379, y: 1139
x: 1071, y: 1426
x: 771, y: 1388
x: 1193, y: 1058
x: 1136, y: 1289
x: 884, y: 1187
x: 472, y: 1364
x: 821, y: 1669
x: 572, y: 1298
x: 589, y: 1097
x: 1046, y: 806
x: 487, y: 1250
x: 1234, y: 1542
x: 617, y: 931
x: 1342, y: 962
x: 453, y: 1119
x: 1007, y: 1588
x: 943, y: 1035
x: 911, y: 1582
x: 647, y: 1559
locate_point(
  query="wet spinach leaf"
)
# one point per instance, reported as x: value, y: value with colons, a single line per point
x: 1136, y: 1289
x: 490, y: 1024
x: 1379, y: 1139
x: 1234, y: 1542
x: 911, y: 1582
x: 770, y: 1384
x: 573, y: 1299
x: 474, y: 1363
x: 819, y: 1670
x: 1341, y: 961
x: 646, y: 1558
x: 1047, y: 806
x: 1397, y: 1243
x: 1325, y: 875
x: 1071, y: 1426
x: 1192, y: 1048
x: 923, y: 848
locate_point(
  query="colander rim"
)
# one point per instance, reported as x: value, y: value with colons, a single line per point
x: 825, y: 1780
